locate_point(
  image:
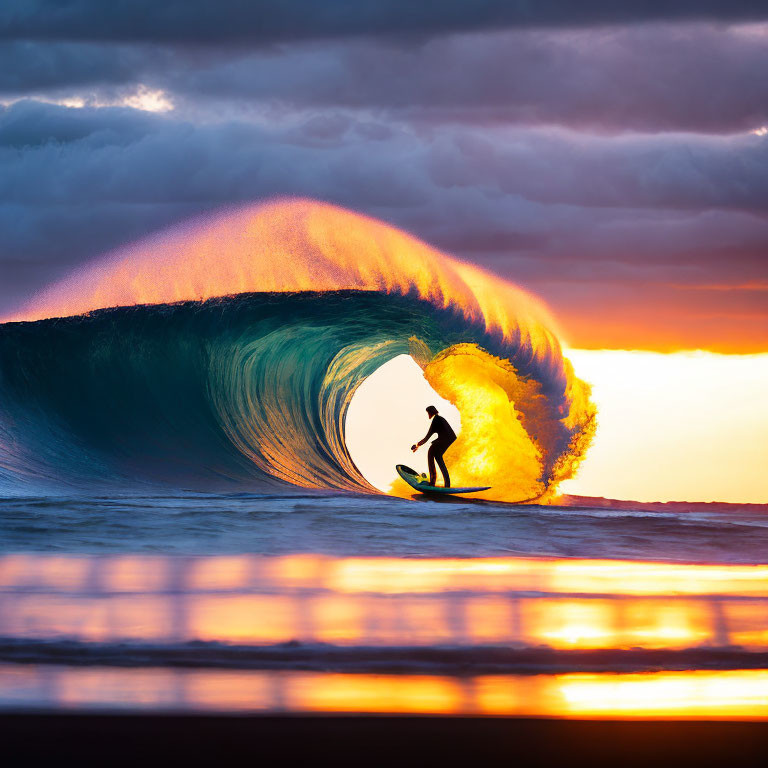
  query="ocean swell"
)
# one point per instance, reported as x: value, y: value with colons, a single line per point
x: 227, y: 353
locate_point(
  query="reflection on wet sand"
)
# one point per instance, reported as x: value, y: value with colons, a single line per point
x: 381, y: 602
x: 349, y: 605
x: 729, y: 694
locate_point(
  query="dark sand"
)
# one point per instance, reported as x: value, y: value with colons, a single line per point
x: 140, y: 740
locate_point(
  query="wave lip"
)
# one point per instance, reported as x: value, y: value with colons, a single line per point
x: 289, y: 246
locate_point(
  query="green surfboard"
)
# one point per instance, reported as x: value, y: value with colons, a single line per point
x: 420, y: 483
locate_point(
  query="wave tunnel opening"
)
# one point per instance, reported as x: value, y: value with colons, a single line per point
x: 387, y: 414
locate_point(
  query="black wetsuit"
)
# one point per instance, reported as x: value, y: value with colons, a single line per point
x: 445, y: 438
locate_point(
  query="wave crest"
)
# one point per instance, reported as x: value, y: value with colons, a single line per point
x: 254, y: 388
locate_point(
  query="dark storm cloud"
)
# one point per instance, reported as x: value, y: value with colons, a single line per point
x: 27, y: 66
x: 671, y: 172
x: 260, y: 21
x: 29, y: 124
x: 238, y: 160
x: 697, y: 77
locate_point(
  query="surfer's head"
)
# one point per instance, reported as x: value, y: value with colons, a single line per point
x: 432, y: 411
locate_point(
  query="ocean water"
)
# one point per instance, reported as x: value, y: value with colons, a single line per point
x: 345, y: 525
x: 182, y: 527
x: 360, y: 603
x: 155, y: 558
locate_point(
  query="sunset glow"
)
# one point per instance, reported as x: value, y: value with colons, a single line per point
x: 525, y: 424
x: 326, y: 613
x: 721, y: 695
x: 285, y: 246
x: 254, y: 253
x: 382, y: 602
x: 691, y: 426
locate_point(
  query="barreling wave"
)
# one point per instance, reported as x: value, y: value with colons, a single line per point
x: 227, y: 351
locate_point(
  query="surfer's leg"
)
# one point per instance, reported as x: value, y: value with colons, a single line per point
x: 443, y: 468
x: 431, y: 464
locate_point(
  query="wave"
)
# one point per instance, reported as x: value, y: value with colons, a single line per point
x: 423, y: 659
x: 227, y: 351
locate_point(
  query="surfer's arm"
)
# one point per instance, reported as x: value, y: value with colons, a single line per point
x: 427, y: 436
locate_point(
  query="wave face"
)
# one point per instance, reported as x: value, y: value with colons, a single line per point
x: 227, y: 352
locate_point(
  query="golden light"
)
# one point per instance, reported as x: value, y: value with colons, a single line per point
x: 314, y: 604
x: 387, y: 415
x: 519, y: 435
x: 363, y: 601
x: 732, y: 694
x: 689, y: 695
x: 688, y: 426
x: 286, y: 246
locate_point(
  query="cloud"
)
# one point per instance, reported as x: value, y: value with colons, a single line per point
x: 29, y: 124
x: 224, y: 161
x: 698, y: 77
x: 550, y: 209
x: 695, y: 77
x: 266, y: 21
x: 29, y: 67
x: 611, y: 156
x: 669, y: 171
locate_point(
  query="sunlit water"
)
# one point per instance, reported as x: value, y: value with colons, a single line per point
x: 371, y: 604
x: 680, y: 695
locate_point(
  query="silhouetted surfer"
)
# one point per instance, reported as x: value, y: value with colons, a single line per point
x: 445, y: 438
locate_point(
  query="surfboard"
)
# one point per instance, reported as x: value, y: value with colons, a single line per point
x: 421, y: 483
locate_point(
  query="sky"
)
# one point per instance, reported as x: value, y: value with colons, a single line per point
x: 610, y: 157
x: 688, y: 426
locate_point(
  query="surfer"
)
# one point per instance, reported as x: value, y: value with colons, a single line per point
x: 445, y: 438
